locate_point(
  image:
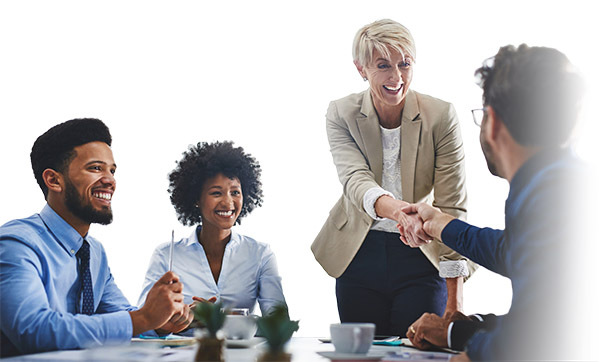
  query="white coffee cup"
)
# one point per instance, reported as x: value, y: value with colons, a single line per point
x: 352, y: 337
x: 239, y: 326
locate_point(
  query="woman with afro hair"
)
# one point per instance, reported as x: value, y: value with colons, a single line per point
x: 213, y: 187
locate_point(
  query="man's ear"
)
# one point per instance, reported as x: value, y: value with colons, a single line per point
x: 361, y: 69
x: 494, y: 124
x: 53, y: 180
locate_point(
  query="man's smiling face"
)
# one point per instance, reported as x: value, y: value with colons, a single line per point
x: 90, y: 183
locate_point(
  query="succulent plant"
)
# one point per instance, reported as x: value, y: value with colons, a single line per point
x: 277, y: 328
x: 210, y: 316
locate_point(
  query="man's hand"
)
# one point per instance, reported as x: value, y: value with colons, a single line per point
x: 411, y: 231
x: 430, y: 329
x: 434, y: 221
x: 457, y: 316
x: 177, y: 323
x: 410, y: 226
x: 164, y: 304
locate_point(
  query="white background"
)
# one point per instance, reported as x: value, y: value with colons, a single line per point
x: 164, y: 75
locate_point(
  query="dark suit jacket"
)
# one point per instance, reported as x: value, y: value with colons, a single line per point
x: 462, y: 331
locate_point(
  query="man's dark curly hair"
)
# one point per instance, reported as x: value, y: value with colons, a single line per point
x: 204, y: 161
x: 55, y: 148
x: 535, y: 92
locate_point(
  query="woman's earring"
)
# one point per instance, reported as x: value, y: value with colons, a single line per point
x: 365, y: 79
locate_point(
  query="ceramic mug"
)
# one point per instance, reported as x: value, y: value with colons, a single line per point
x: 239, y: 326
x: 352, y: 337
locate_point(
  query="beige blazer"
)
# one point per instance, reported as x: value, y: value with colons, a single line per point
x: 432, y: 159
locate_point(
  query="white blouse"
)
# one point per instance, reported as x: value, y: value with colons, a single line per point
x: 248, y: 274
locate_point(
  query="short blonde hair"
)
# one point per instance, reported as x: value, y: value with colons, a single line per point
x: 382, y: 35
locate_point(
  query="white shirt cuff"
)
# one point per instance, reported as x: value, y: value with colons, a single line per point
x: 477, y: 316
x: 371, y: 197
x: 454, y: 268
x: 449, y: 340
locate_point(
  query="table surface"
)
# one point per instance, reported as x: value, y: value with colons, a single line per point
x: 302, y: 349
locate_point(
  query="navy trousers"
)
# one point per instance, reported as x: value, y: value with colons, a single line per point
x: 389, y: 284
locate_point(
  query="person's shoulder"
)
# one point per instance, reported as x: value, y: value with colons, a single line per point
x: 252, y: 244
x: 353, y: 98
x: 28, y: 230
x: 427, y: 102
x: 348, y: 105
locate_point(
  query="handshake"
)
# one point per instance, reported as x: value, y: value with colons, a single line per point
x: 420, y: 223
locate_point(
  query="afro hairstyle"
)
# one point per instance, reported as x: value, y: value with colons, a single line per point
x: 204, y: 161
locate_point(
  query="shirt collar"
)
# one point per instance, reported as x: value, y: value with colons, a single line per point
x: 409, y: 113
x: 66, y: 235
x: 193, y: 239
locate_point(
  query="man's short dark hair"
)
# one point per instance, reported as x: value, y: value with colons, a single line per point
x: 55, y: 148
x: 535, y: 92
x: 204, y: 161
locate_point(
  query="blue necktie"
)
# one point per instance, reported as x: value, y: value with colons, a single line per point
x: 87, y: 292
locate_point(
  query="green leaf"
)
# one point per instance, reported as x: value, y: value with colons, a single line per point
x: 210, y: 316
x: 277, y: 328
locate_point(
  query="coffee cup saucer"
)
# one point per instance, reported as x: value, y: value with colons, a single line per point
x: 337, y: 356
x: 244, y: 343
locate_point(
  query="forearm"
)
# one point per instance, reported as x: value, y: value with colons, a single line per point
x: 37, y: 334
x: 455, y: 295
x: 390, y: 208
x: 436, y: 224
x: 140, y: 322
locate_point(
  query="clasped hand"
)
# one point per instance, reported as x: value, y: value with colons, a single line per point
x: 411, y: 230
x: 421, y: 223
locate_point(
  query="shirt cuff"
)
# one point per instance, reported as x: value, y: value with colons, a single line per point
x: 449, y: 335
x: 371, y: 197
x: 476, y: 316
x: 453, y: 269
x: 118, y: 325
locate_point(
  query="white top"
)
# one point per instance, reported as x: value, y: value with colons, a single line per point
x: 392, y: 186
x: 248, y: 274
x: 391, y: 179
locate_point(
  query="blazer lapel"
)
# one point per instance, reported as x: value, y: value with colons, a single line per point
x: 368, y: 124
x: 411, y: 132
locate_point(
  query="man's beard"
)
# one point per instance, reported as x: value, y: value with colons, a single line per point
x: 76, y: 205
x: 489, y: 156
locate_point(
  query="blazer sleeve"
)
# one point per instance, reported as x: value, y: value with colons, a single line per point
x: 350, y: 161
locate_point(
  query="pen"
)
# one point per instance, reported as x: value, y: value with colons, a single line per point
x: 171, y: 250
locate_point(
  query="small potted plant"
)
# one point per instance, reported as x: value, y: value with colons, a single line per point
x: 277, y: 329
x: 210, y: 318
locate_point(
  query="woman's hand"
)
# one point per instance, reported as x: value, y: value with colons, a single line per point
x: 411, y: 231
x: 410, y: 225
x: 198, y: 300
x: 434, y: 221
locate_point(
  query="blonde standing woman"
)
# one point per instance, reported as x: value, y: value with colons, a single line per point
x: 392, y: 146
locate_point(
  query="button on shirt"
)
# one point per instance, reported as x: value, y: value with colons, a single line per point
x: 248, y: 274
x: 39, y: 285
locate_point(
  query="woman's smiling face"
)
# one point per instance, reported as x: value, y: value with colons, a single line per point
x: 220, y: 202
x: 389, y: 78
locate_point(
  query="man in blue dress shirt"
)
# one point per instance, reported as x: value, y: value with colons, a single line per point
x: 56, y: 288
x: 531, y: 99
